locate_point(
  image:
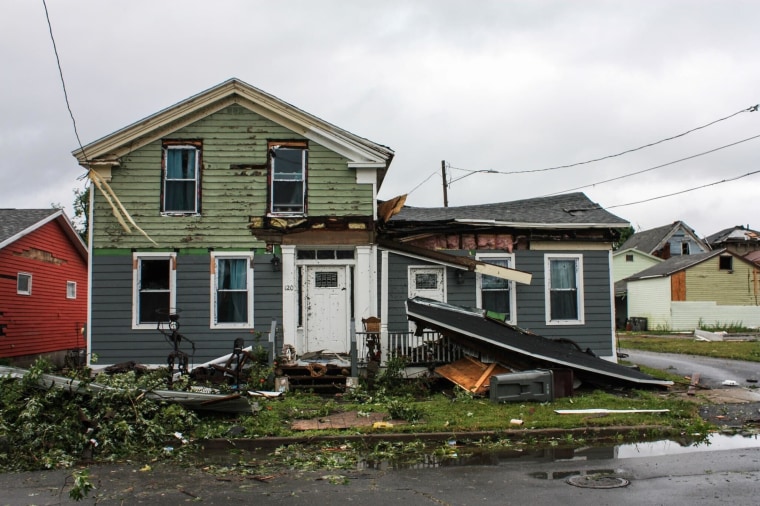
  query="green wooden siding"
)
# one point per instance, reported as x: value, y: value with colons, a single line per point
x: 231, y: 137
x: 706, y: 282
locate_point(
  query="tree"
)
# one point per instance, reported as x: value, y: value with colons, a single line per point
x: 82, y: 212
x: 625, y: 233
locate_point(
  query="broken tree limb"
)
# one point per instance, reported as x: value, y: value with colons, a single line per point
x: 606, y: 411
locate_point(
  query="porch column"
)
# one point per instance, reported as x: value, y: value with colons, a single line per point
x: 384, y: 306
x: 290, y: 298
x: 363, y: 288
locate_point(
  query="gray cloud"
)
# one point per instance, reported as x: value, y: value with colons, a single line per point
x: 502, y: 85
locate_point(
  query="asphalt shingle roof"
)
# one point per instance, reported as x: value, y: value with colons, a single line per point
x: 14, y: 221
x: 567, y: 209
x: 674, y: 264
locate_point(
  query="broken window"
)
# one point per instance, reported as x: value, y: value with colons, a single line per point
x: 685, y: 248
x: 154, y: 288
x: 564, y: 289
x: 71, y: 289
x: 726, y: 263
x: 180, y: 189
x: 288, y: 178
x: 496, y: 295
x: 233, y: 290
x: 24, y: 283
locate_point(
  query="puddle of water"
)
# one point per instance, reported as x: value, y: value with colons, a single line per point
x: 466, y: 455
x: 715, y: 442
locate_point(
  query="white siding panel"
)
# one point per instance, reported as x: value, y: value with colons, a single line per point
x: 650, y: 299
x: 687, y: 315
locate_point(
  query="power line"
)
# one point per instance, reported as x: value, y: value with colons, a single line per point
x: 653, y: 168
x: 684, y: 191
x: 423, y: 182
x: 753, y: 108
x: 63, y: 82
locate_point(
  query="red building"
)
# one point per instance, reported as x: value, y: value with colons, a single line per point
x: 43, y: 286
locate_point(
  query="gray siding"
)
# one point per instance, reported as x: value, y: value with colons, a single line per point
x: 531, y: 315
x: 114, y: 340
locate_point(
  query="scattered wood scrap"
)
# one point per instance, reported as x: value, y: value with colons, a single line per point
x: 693, y: 385
x: 471, y: 374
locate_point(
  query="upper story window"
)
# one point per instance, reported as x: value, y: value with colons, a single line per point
x: 726, y: 263
x: 288, y: 177
x: 24, y: 283
x: 496, y: 295
x: 180, y: 191
x: 629, y: 257
x: 564, y: 289
x: 232, y: 290
x: 154, y: 288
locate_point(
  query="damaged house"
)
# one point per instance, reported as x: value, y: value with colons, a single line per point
x: 234, y: 217
x: 541, y: 264
x: 226, y: 212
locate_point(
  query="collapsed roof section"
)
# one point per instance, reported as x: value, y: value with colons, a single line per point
x: 518, y: 348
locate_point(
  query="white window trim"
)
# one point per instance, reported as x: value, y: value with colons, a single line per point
x: 166, y: 150
x: 19, y: 291
x: 71, y: 289
x: 578, y: 258
x: 248, y: 256
x: 136, y: 292
x: 484, y: 257
x: 304, y: 168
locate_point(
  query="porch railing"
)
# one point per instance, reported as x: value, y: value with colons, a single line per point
x: 428, y: 349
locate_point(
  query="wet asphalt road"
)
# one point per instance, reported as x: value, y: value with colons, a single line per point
x: 713, y: 371
x: 697, y: 479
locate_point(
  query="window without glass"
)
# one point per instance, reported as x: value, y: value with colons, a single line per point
x: 233, y: 291
x: 288, y: 182
x: 24, y: 283
x: 154, y: 288
x: 181, y: 176
x: 71, y: 289
x: 564, y: 283
x: 495, y: 294
x: 726, y: 263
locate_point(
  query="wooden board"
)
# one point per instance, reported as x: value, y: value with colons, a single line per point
x: 471, y: 374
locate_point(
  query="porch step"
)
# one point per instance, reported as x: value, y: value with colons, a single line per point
x: 331, y: 377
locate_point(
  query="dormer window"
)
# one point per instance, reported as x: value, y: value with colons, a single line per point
x: 288, y: 178
x: 180, y: 191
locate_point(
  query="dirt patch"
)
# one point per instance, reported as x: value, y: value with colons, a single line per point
x: 732, y: 408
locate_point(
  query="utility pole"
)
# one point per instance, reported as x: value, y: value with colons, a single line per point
x: 445, y: 184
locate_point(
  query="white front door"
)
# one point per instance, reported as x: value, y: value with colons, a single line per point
x: 427, y: 282
x: 325, y: 307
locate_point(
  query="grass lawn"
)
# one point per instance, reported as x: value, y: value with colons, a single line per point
x: 734, y: 350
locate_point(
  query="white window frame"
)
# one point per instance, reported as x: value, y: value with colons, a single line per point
x: 196, y: 180
x: 578, y: 258
x: 273, y: 180
x: 136, y: 259
x: 28, y: 290
x: 71, y: 289
x: 215, y: 256
x: 510, y: 257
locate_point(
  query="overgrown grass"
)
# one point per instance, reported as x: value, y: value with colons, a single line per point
x: 734, y: 350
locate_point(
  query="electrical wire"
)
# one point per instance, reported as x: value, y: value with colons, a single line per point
x: 653, y: 168
x: 63, y: 82
x: 684, y: 191
x: 423, y: 182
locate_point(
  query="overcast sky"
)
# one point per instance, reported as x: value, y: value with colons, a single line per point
x: 503, y: 86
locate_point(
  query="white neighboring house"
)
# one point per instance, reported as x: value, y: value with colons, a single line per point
x: 626, y: 263
x: 714, y: 288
